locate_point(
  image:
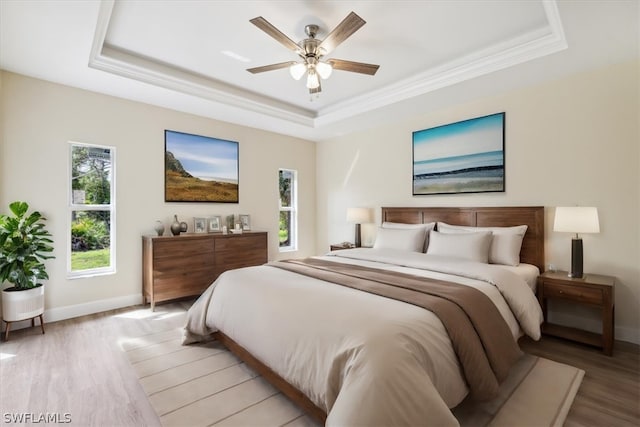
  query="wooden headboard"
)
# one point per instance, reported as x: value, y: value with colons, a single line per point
x: 532, y: 251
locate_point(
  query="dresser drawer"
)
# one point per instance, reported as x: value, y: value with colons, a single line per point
x: 183, y: 263
x: 190, y: 282
x: 574, y: 293
x: 239, y: 243
x: 182, y: 247
x: 247, y: 257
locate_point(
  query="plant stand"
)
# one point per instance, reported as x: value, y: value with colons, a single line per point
x: 22, y: 305
x: 33, y: 324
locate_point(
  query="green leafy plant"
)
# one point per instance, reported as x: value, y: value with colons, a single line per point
x: 24, y: 245
x: 88, y: 233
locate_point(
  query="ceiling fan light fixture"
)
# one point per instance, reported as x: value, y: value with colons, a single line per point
x: 311, y: 49
x: 297, y: 70
x: 324, y: 69
x: 312, y: 80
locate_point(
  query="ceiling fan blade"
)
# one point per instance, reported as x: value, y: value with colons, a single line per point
x: 354, y: 67
x: 271, y: 67
x: 348, y: 26
x: 278, y: 35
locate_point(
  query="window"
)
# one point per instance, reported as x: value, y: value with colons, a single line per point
x: 288, y: 210
x: 91, y: 210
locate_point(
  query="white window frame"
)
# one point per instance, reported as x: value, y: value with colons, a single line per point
x: 293, y: 223
x: 111, y: 269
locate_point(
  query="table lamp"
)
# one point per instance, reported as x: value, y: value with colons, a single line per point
x: 358, y: 216
x: 576, y: 219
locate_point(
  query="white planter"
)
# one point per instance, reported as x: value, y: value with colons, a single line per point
x: 22, y: 305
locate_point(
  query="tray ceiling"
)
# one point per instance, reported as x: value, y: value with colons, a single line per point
x: 193, y: 55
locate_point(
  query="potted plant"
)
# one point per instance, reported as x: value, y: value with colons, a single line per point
x: 24, y: 245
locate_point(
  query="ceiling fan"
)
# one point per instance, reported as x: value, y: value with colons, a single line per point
x: 311, y: 51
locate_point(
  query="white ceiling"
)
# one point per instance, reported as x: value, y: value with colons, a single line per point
x: 431, y: 53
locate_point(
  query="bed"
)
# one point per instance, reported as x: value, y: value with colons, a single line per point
x: 346, y: 335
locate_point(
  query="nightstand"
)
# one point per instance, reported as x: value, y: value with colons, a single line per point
x: 592, y: 289
x: 343, y: 245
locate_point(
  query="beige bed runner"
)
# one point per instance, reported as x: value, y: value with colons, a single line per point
x: 479, y: 335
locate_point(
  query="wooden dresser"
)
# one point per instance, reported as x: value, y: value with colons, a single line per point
x: 180, y: 266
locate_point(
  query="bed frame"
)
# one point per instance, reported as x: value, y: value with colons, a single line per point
x: 532, y: 253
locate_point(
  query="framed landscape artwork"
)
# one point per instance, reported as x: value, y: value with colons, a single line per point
x: 200, y: 168
x: 461, y: 157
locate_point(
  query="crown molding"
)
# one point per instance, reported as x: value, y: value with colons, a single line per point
x: 132, y: 66
x: 512, y: 52
x: 126, y: 64
x: 521, y: 49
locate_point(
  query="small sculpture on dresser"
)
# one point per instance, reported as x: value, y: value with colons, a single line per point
x: 175, y: 226
x: 159, y: 228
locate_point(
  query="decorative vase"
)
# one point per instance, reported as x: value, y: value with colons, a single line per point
x: 159, y: 227
x: 175, y: 226
x: 183, y: 227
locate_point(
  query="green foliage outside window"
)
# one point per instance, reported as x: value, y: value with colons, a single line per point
x: 91, y: 190
x: 284, y: 232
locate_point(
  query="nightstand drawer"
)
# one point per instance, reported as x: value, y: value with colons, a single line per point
x: 574, y: 293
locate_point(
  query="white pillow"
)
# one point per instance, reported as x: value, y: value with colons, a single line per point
x: 408, y: 239
x: 506, y: 243
x: 469, y: 246
x: 400, y: 225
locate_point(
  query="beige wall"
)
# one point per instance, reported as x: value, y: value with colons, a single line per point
x: 569, y: 142
x: 39, y: 118
x: 572, y: 141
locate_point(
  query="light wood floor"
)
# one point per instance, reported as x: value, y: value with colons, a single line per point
x: 78, y: 368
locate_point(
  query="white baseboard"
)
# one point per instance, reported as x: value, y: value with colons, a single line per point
x: 77, y: 310
x: 628, y: 334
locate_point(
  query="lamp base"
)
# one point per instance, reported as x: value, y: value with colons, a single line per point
x: 357, y: 242
x: 576, y: 258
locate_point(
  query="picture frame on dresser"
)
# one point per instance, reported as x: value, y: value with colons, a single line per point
x: 199, y: 225
x: 230, y: 221
x: 245, y: 222
x: 214, y: 224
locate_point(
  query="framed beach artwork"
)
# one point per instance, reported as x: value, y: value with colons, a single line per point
x: 200, y: 168
x: 461, y: 157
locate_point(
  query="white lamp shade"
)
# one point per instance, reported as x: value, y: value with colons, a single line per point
x: 324, y: 69
x: 359, y: 215
x: 297, y: 70
x: 576, y: 219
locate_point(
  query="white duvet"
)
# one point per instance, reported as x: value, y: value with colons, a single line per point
x: 364, y: 359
